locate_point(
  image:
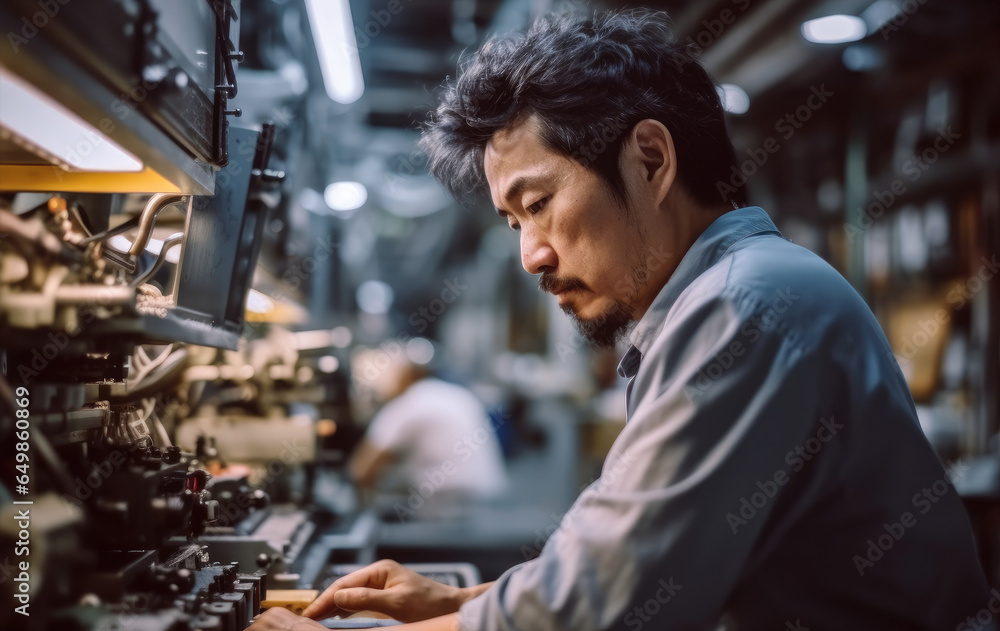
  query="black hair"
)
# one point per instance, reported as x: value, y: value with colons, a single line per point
x: 588, y: 80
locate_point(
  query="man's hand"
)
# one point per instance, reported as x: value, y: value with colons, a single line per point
x: 389, y: 588
x: 280, y: 619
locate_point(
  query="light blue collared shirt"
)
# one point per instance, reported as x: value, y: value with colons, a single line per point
x: 772, y: 474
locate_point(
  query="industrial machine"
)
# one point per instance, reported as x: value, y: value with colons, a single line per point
x: 157, y: 468
x: 131, y: 216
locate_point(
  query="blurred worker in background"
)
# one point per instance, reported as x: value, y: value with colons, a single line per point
x: 430, y: 451
x: 772, y: 474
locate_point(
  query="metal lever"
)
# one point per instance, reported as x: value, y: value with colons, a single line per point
x: 147, y: 218
x: 168, y: 243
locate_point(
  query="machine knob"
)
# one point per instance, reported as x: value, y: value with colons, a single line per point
x: 211, y: 510
x: 205, y: 622
x: 260, y: 499
x: 172, y: 455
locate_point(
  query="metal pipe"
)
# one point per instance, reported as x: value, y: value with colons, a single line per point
x: 169, y: 242
x: 94, y: 294
x: 147, y: 218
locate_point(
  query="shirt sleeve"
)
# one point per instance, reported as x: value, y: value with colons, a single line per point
x: 389, y: 429
x: 724, y: 396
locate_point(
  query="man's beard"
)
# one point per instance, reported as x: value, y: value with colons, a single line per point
x: 605, y: 330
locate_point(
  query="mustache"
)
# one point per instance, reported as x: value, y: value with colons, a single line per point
x: 553, y: 285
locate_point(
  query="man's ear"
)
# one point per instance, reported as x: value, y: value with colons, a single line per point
x: 653, y: 156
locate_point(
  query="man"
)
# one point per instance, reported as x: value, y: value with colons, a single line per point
x: 772, y: 474
x: 430, y: 451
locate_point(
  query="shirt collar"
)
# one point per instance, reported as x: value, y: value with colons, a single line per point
x: 705, y: 252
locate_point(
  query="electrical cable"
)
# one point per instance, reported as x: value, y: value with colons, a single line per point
x: 149, y: 364
x: 158, y: 378
x: 107, y: 234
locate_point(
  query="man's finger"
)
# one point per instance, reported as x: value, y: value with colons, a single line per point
x: 374, y: 576
x: 317, y: 608
x: 362, y: 598
x: 324, y: 606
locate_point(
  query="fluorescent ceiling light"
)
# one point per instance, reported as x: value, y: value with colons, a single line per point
x: 880, y: 13
x: 835, y: 29
x: 328, y: 364
x: 862, y: 57
x: 345, y: 196
x: 33, y: 119
x: 309, y: 340
x: 413, y: 196
x: 420, y: 350
x: 333, y: 33
x: 341, y: 337
x: 734, y: 98
x: 374, y: 297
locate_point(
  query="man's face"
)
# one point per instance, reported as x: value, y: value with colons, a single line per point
x: 588, y: 249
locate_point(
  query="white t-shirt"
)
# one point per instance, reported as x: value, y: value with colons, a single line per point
x: 444, y: 445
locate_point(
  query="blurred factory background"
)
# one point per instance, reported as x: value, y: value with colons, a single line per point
x: 279, y: 138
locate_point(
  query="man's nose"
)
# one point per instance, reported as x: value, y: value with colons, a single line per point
x: 537, y: 254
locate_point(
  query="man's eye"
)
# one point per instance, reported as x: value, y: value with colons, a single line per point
x: 514, y: 226
x: 538, y: 206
